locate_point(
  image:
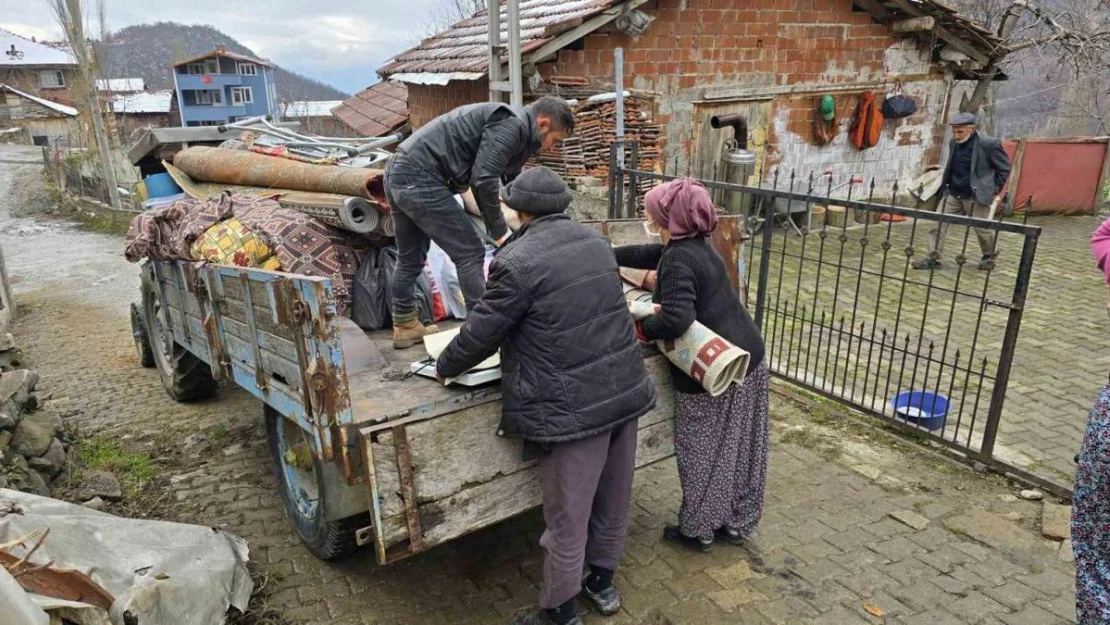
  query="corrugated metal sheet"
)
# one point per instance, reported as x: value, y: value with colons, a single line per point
x: 27, y: 52
x: 54, y: 106
x: 147, y: 102
x: 464, y: 46
x: 376, y: 111
x: 1043, y: 165
x: 308, y: 108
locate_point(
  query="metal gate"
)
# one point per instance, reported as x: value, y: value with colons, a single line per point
x: 830, y: 282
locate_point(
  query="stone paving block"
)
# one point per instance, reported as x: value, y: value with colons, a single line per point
x: 953, y: 585
x: 695, y: 611
x: 683, y: 586
x: 733, y: 575
x: 867, y: 582
x: 992, y: 530
x: 731, y: 598
x: 813, y: 551
x: 1013, y: 594
x: 911, y: 519
x: 1031, y: 615
x: 976, y: 606
x: 821, y: 571
x: 885, y: 602
x: 839, y: 615
x: 649, y: 575
x: 1062, y: 606
x: 932, y: 617
x: 851, y: 539
x: 1051, y: 582
x: 1056, y: 521
x: 909, y: 570
x: 786, y: 610
x: 639, y: 601
x: 922, y: 595
x: 896, y: 549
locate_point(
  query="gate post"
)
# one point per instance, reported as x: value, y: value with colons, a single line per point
x: 764, y: 257
x: 1009, y: 342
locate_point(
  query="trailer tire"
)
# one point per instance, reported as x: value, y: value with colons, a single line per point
x: 184, y: 376
x: 139, y: 333
x: 305, y: 495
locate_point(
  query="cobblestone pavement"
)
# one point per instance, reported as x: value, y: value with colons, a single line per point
x: 831, y: 548
x: 846, y: 313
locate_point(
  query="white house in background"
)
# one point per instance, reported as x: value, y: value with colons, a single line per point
x: 31, y: 67
x: 316, y: 117
x: 146, y: 109
x: 121, y: 85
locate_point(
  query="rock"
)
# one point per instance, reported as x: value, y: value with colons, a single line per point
x: 1007, y: 498
x: 34, y: 483
x: 3, y: 482
x: 1056, y: 521
x: 1031, y: 495
x: 96, y: 503
x: 7, y: 342
x: 992, y: 530
x: 912, y: 519
x: 51, y: 463
x: 34, y: 433
x: 231, y: 450
x: 1014, y: 516
x: 100, y: 484
x: 1066, y: 554
x: 17, y: 385
x: 6, y: 421
x: 5, y: 440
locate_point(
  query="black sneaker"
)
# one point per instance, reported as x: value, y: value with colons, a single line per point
x: 607, y: 600
x: 671, y: 533
x: 731, y: 536
x: 927, y: 263
x: 540, y: 617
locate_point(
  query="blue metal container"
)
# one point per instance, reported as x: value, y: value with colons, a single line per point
x: 161, y: 185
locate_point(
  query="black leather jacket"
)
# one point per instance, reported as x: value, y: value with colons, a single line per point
x: 476, y: 146
x: 571, y: 365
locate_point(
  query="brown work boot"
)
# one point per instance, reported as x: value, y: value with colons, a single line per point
x: 408, y: 331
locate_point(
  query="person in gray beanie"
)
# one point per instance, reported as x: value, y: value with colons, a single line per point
x: 573, y: 386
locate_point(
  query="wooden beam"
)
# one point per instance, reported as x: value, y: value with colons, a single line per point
x: 575, y: 34
x: 944, y: 34
x: 914, y: 25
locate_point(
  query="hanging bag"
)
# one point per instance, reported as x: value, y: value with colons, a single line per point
x: 898, y: 105
x: 867, y: 127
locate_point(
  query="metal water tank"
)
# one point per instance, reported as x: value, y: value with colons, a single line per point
x: 737, y: 164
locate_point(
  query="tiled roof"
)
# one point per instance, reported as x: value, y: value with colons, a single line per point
x: 16, y: 50
x: 223, y: 52
x: 54, y: 106
x: 464, y: 47
x: 376, y: 111
x: 309, y: 108
x: 159, y: 101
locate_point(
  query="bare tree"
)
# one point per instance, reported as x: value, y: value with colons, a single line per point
x: 71, y: 18
x: 1072, y: 35
x: 445, y: 13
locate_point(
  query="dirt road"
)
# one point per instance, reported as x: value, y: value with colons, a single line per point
x: 828, y: 550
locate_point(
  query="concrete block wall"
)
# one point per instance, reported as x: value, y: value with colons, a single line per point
x: 426, y: 102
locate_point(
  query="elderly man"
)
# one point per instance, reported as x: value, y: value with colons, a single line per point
x: 972, y: 185
x: 573, y: 386
x: 472, y: 147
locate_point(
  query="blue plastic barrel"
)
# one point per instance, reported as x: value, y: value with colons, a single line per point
x: 929, y: 410
x: 161, y: 185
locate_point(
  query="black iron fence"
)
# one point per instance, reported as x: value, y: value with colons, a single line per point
x: 831, y: 281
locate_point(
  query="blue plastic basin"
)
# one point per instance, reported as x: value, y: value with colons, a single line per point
x: 929, y: 410
x: 161, y: 185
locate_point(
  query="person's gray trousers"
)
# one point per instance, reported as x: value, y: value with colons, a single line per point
x: 587, y: 488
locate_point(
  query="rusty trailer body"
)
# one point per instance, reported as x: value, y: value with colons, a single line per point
x: 363, y: 456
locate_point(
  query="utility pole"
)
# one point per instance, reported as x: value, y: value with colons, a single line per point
x: 70, y: 17
x: 498, y: 85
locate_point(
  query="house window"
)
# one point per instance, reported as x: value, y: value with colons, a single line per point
x: 52, y: 79
x: 194, y: 69
x: 242, y: 95
x: 212, y: 66
x: 247, y: 69
x: 209, y: 96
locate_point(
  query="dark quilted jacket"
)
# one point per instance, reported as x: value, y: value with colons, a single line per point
x: 476, y: 146
x: 571, y: 364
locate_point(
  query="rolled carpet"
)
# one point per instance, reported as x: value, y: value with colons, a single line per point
x: 351, y: 213
x: 237, y: 167
x: 701, y: 353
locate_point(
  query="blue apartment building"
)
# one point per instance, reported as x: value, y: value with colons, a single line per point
x: 221, y: 87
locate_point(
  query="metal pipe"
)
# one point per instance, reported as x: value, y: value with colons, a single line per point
x: 515, y: 61
x: 618, y: 62
x: 381, y: 142
x: 493, y: 18
x: 739, y: 125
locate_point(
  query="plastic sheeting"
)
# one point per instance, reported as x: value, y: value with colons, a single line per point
x: 162, y: 573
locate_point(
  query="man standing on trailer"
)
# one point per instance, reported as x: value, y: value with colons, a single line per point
x: 973, y: 181
x: 477, y: 147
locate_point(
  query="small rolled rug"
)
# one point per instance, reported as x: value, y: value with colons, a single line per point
x: 708, y: 359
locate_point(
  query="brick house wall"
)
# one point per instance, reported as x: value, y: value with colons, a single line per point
x: 768, y: 59
x: 26, y: 79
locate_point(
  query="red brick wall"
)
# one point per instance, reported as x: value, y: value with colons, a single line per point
x: 426, y: 102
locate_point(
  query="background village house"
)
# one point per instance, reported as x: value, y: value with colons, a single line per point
x: 221, y: 87
x: 376, y: 111
x: 316, y: 118
x: 35, y: 92
x: 766, y: 59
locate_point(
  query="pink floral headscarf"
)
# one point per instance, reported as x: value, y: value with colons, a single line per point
x: 683, y: 208
x: 1100, y: 247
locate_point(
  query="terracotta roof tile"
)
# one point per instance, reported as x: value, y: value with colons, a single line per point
x: 376, y: 111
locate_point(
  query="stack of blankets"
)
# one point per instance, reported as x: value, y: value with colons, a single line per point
x: 249, y: 231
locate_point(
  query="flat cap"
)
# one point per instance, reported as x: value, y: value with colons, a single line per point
x: 964, y: 119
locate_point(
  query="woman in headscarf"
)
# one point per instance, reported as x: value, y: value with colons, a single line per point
x: 720, y: 442
x: 1090, y: 512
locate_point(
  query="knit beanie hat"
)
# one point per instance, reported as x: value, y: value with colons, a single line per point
x: 538, y: 191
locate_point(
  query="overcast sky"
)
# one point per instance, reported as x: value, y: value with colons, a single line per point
x: 340, y: 42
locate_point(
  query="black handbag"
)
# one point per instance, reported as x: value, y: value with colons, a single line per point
x: 898, y: 105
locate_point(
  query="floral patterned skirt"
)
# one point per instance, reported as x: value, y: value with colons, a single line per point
x: 721, y: 447
x: 1090, y: 518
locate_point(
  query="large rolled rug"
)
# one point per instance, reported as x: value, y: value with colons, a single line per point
x: 701, y: 353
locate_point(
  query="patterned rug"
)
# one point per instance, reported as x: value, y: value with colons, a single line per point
x: 701, y: 353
